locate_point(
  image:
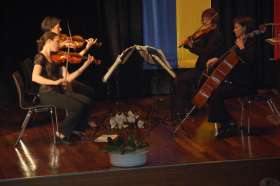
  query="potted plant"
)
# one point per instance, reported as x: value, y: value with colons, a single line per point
x: 129, y: 148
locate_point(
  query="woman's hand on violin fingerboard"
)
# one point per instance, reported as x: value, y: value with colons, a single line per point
x: 90, y: 42
x: 89, y: 60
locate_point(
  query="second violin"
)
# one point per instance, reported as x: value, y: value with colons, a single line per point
x: 72, y: 58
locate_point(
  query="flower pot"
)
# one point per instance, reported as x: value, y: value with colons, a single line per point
x: 131, y: 159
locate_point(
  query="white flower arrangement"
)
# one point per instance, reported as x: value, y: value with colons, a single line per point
x: 123, y: 120
x: 131, y: 133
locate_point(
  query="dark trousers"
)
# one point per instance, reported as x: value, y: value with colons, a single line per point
x: 186, y: 83
x: 77, y: 106
x: 217, y: 109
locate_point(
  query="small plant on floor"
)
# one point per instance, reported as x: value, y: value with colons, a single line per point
x: 131, y: 133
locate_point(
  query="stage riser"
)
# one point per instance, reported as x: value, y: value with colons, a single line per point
x: 234, y: 173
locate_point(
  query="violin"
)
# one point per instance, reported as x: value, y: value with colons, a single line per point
x: 197, y: 35
x: 200, y: 33
x: 72, y: 58
x: 74, y: 42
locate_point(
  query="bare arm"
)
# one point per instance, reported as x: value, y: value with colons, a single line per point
x: 72, y: 76
x: 90, y: 42
x: 37, y: 78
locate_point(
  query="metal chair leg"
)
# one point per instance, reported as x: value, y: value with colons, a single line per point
x: 56, y: 119
x: 23, y: 126
x: 242, y: 113
x: 273, y: 107
x: 54, y: 123
x: 248, y: 116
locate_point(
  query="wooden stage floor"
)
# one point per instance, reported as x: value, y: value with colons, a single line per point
x: 37, y: 157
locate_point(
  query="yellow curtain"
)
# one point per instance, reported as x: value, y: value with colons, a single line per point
x: 188, y: 17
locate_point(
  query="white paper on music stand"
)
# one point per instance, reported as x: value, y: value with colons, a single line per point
x: 150, y: 54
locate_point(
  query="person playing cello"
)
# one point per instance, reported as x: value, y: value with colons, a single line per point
x: 240, y: 80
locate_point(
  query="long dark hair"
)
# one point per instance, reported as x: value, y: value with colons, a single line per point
x: 211, y: 13
x: 42, y: 40
x: 244, y: 21
x: 49, y: 23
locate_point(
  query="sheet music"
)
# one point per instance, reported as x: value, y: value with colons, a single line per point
x: 150, y: 54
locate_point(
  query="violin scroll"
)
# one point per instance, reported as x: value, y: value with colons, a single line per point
x: 260, y: 30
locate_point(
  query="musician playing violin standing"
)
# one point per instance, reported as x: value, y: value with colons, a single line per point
x: 205, y: 43
x: 240, y: 80
x: 52, y: 78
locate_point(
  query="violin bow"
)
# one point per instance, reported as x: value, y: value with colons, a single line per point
x: 68, y: 49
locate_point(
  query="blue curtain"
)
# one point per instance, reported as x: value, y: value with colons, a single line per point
x: 159, y: 28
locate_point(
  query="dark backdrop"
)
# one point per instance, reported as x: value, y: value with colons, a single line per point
x: 116, y: 23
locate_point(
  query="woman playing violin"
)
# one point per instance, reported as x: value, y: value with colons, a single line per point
x: 205, y: 43
x: 53, y: 24
x: 240, y: 80
x: 52, y: 78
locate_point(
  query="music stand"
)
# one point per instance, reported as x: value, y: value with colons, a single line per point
x: 150, y: 55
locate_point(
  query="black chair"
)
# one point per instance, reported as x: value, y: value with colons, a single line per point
x: 32, y: 107
x: 246, y: 107
x: 26, y: 68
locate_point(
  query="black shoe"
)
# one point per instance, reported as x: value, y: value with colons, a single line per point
x: 224, y: 131
x: 232, y: 124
